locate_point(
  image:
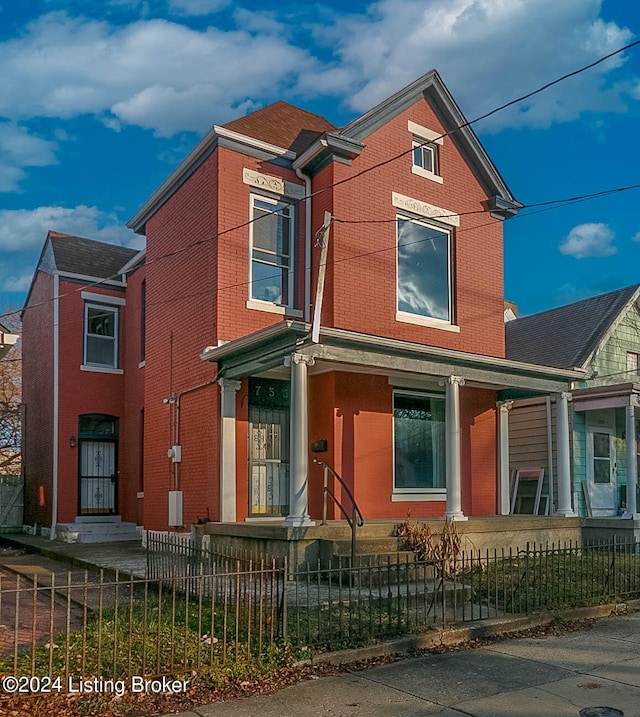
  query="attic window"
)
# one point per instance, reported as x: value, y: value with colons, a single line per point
x: 425, y: 155
x: 632, y: 362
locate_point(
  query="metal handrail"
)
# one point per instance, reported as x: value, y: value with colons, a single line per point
x: 355, y: 520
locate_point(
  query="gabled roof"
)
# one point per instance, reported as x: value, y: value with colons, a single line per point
x: 568, y: 336
x: 305, y: 140
x: 83, y: 258
x: 283, y: 125
x: 76, y: 255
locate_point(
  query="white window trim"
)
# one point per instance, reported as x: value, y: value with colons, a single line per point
x: 424, y: 209
x: 405, y: 495
x: 102, y: 306
x: 406, y: 318
x: 415, y: 169
x: 417, y: 319
x: 101, y: 369
x: 102, y: 298
x: 261, y: 304
x: 429, y: 494
x: 425, y: 133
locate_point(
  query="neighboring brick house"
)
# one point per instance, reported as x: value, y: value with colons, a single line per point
x: 601, y: 335
x: 401, y: 378
x: 79, y: 376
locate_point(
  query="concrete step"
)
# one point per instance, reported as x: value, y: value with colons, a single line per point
x: 97, y: 532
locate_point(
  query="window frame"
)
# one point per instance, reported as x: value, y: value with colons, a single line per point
x: 259, y: 302
x: 114, y: 310
x: 407, y: 493
x: 633, y: 357
x: 423, y: 319
x: 430, y: 148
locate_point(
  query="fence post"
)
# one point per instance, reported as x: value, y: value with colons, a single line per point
x: 284, y: 574
x: 526, y: 580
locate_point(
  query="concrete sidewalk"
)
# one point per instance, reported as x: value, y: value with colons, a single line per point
x: 128, y: 558
x: 541, y: 677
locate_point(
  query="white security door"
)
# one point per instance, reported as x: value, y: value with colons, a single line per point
x: 601, y: 471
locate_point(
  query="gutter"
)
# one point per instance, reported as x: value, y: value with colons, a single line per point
x: 56, y: 391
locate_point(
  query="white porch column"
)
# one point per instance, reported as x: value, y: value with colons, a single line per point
x: 504, y: 499
x: 452, y: 429
x: 299, y: 460
x: 563, y: 456
x: 228, y: 390
x: 632, y: 461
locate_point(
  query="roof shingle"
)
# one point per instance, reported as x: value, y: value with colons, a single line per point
x: 87, y: 257
x: 565, y: 337
x: 283, y: 125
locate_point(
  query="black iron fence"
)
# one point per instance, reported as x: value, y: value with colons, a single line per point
x: 186, y: 620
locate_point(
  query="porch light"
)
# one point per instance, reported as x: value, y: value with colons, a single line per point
x: 72, y: 442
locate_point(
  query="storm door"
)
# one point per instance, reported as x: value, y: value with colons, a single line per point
x: 601, y: 470
x: 268, y: 448
x: 98, y: 474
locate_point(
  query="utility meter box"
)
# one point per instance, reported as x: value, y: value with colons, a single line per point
x: 175, y: 508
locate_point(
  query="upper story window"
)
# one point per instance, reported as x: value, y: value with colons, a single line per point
x: 100, y: 335
x: 424, y: 278
x: 633, y: 365
x: 425, y: 156
x: 272, y: 251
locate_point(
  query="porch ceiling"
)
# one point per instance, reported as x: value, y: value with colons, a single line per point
x: 266, y: 349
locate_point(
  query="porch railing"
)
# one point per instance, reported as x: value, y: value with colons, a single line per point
x: 354, y: 519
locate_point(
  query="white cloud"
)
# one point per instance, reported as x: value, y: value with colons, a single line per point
x: 488, y: 52
x: 156, y: 74
x: 636, y: 237
x: 19, y: 149
x: 589, y: 240
x: 26, y: 229
x: 170, y: 77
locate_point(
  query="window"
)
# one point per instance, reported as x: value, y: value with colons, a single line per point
x: 425, y: 156
x: 100, y: 335
x: 632, y: 362
x: 272, y: 242
x: 419, y: 442
x: 424, y: 271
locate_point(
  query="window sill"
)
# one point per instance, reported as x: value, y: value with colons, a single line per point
x: 426, y: 321
x: 257, y: 305
x: 101, y: 369
x: 433, y: 494
x: 426, y: 174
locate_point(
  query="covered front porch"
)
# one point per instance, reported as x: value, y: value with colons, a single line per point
x: 409, y: 428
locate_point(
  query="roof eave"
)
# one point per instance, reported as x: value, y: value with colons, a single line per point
x: 215, y: 136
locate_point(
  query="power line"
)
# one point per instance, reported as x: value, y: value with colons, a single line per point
x: 378, y: 166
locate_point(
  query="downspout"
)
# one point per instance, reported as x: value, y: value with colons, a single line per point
x: 552, y: 504
x: 307, y: 243
x: 56, y: 391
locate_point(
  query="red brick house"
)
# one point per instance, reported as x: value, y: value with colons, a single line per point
x: 401, y: 379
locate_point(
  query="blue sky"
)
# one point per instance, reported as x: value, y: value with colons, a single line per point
x: 99, y: 101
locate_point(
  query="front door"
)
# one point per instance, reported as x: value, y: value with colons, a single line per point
x: 98, y: 465
x: 601, y: 471
x: 268, y: 448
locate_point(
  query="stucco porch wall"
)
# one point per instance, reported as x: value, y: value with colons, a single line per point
x: 308, y: 545
x: 624, y: 529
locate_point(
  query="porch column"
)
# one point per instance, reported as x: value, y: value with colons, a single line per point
x: 299, y: 459
x: 228, y: 390
x: 504, y: 499
x: 563, y: 456
x: 452, y: 428
x: 632, y: 461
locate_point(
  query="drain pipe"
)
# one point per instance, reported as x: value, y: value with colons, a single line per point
x: 307, y: 243
x: 56, y: 408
